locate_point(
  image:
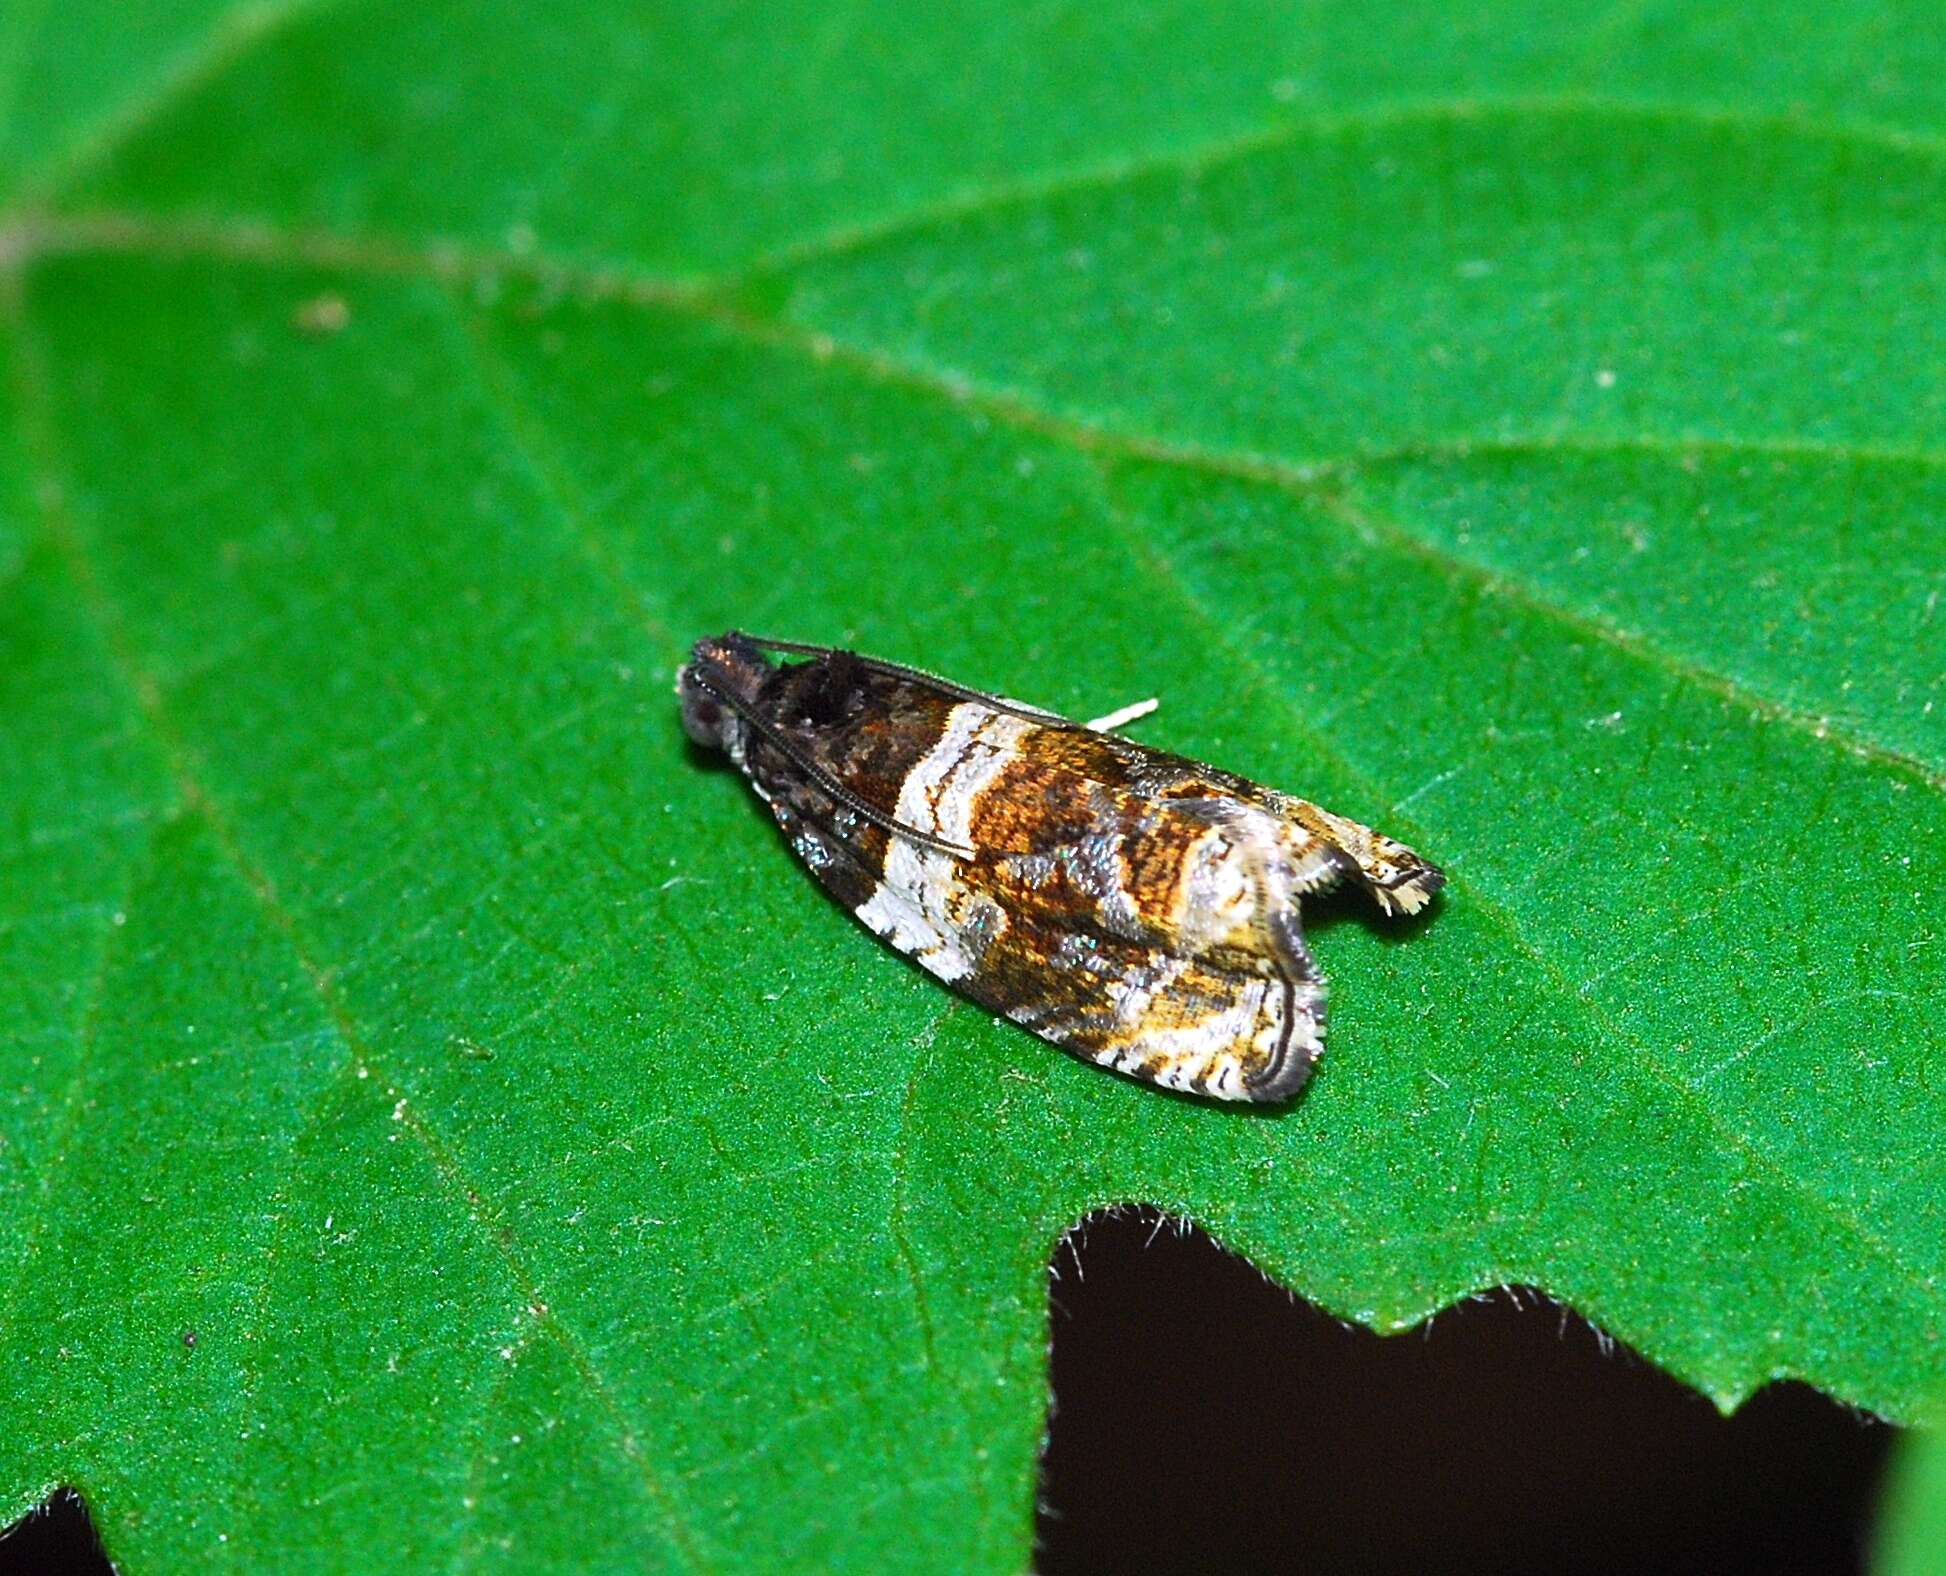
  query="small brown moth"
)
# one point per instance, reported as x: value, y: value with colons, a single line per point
x: 1136, y: 908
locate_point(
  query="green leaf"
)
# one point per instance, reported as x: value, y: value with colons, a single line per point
x: 1912, y: 1535
x: 1522, y: 432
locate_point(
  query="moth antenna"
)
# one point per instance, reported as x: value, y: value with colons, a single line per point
x: 825, y: 783
x: 898, y: 670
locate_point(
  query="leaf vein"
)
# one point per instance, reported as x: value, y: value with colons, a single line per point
x: 73, y: 1096
x: 1198, y: 160
x: 232, y: 38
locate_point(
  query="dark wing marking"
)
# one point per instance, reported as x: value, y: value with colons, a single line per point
x: 844, y: 861
x: 822, y: 779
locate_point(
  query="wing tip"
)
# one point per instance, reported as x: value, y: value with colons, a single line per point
x: 1411, y: 891
x: 1289, y: 1066
x: 1283, y: 1078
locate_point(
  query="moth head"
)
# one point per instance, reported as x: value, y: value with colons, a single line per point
x: 719, y: 673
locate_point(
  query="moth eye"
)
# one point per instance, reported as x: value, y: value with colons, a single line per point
x: 702, y: 715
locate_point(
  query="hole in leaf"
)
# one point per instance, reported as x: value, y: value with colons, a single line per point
x: 1204, y: 1420
x: 55, y: 1538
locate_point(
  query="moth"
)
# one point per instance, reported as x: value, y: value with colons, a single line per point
x: 1136, y: 908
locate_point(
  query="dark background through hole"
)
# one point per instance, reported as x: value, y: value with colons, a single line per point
x: 1206, y: 1421
x: 55, y: 1540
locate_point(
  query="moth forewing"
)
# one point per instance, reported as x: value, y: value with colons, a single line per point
x: 1139, y: 909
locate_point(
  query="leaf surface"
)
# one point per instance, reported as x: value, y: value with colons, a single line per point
x: 431, y: 1094
x: 1912, y: 1536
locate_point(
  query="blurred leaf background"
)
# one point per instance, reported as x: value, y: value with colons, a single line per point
x: 432, y: 1098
